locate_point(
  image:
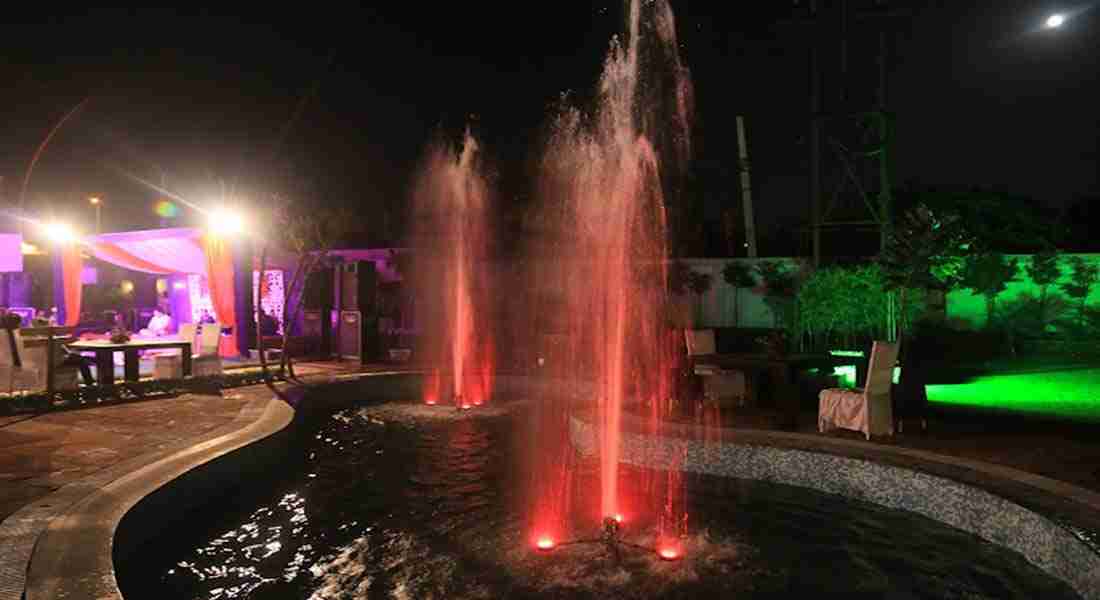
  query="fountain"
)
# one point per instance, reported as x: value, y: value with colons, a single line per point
x: 604, y: 175
x: 450, y: 234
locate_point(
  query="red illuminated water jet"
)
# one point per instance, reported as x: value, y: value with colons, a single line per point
x: 449, y: 272
x: 602, y: 187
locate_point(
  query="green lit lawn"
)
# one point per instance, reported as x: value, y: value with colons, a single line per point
x: 1068, y: 393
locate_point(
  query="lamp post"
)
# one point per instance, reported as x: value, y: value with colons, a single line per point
x: 98, y: 204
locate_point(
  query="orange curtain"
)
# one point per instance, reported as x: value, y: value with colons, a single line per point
x: 219, y: 278
x: 71, y: 266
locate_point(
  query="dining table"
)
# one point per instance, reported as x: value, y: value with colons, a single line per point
x: 105, y: 350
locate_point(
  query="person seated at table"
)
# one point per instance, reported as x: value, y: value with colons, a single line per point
x: 158, y: 326
x: 269, y: 325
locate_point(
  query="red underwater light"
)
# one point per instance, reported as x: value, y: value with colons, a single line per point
x: 545, y: 543
x: 668, y: 553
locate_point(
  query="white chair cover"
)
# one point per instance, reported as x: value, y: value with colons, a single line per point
x: 207, y: 361
x: 718, y: 383
x: 23, y: 377
x: 868, y: 410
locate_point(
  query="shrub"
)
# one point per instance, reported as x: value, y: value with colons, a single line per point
x: 850, y: 304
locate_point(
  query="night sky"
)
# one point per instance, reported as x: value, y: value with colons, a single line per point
x: 202, y: 99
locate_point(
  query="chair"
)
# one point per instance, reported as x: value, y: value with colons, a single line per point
x: 170, y: 366
x: 26, y: 375
x: 207, y: 361
x: 718, y: 383
x: 868, y: 410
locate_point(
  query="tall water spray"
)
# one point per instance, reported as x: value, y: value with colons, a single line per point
x: 604, y: 176
x: 450, y: 274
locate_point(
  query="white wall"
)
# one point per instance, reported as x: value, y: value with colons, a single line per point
x: 717, y: 307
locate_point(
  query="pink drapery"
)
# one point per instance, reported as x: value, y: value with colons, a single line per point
x: 178, y: 250
x: 71, y: 266
x: 219, y: 278
x: 159, y: 251
x: 115, y: 255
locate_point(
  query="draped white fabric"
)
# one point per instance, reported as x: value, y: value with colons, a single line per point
x: 157, y: 251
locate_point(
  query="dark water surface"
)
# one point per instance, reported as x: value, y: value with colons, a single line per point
x: 393, y: 502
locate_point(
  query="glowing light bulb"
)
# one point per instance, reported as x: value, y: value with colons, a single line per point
x: 226, y: 222
x: 59, y: 233
x: 618, y: 517
x: 1056, y: 20
x: 668, y: 553
x: 545, y: 543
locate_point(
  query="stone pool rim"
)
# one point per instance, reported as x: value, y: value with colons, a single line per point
x: 72, y: 552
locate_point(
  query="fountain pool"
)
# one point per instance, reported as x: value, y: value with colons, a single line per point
x: 399, y: 500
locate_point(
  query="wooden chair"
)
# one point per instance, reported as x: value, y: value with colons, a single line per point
x: 718, y: 383
x: 868, y: 410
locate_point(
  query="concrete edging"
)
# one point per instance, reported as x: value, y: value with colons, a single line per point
x: 60, y: 545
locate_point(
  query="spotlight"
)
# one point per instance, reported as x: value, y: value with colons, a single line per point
x: 668, y: 553
x: 544, y: 543
x: 430, y: 402
x: 226, y: 222
x: 1055, y: 21
x: 618, y: 518
x: 59, y: 233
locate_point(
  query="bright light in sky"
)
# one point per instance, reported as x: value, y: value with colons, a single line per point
x: 1055, y: 20
x: 226, y: 222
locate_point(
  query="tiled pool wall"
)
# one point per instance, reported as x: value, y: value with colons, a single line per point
x: 1043, y: 542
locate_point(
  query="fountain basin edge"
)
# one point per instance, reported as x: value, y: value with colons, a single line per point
x: 1058, y: 548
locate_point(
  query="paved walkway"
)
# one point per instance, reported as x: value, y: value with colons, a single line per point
x: 41, y: 453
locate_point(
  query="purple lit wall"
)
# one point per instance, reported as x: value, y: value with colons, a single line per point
x: 11, y: 253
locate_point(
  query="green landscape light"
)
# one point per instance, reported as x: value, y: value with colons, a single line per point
x: 1070, y: 393
x: 846, y: 375
x: 847, y: 353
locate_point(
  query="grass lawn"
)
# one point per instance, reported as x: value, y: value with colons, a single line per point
x: 1070, y: 393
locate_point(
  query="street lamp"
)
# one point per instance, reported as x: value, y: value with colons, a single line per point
x: 226, y: 222
x: 98, y: 204
x: 59, y: 233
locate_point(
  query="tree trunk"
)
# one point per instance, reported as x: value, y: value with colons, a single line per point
x: 287, y: 318
x: 736, y: 307
x: 256, y: 313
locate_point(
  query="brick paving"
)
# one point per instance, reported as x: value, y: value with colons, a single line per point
x: 41, y: 453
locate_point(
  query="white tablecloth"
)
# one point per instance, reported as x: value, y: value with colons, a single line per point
x: 843, y: 409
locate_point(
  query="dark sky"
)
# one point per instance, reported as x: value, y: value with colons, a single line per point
x: 981, y: 98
